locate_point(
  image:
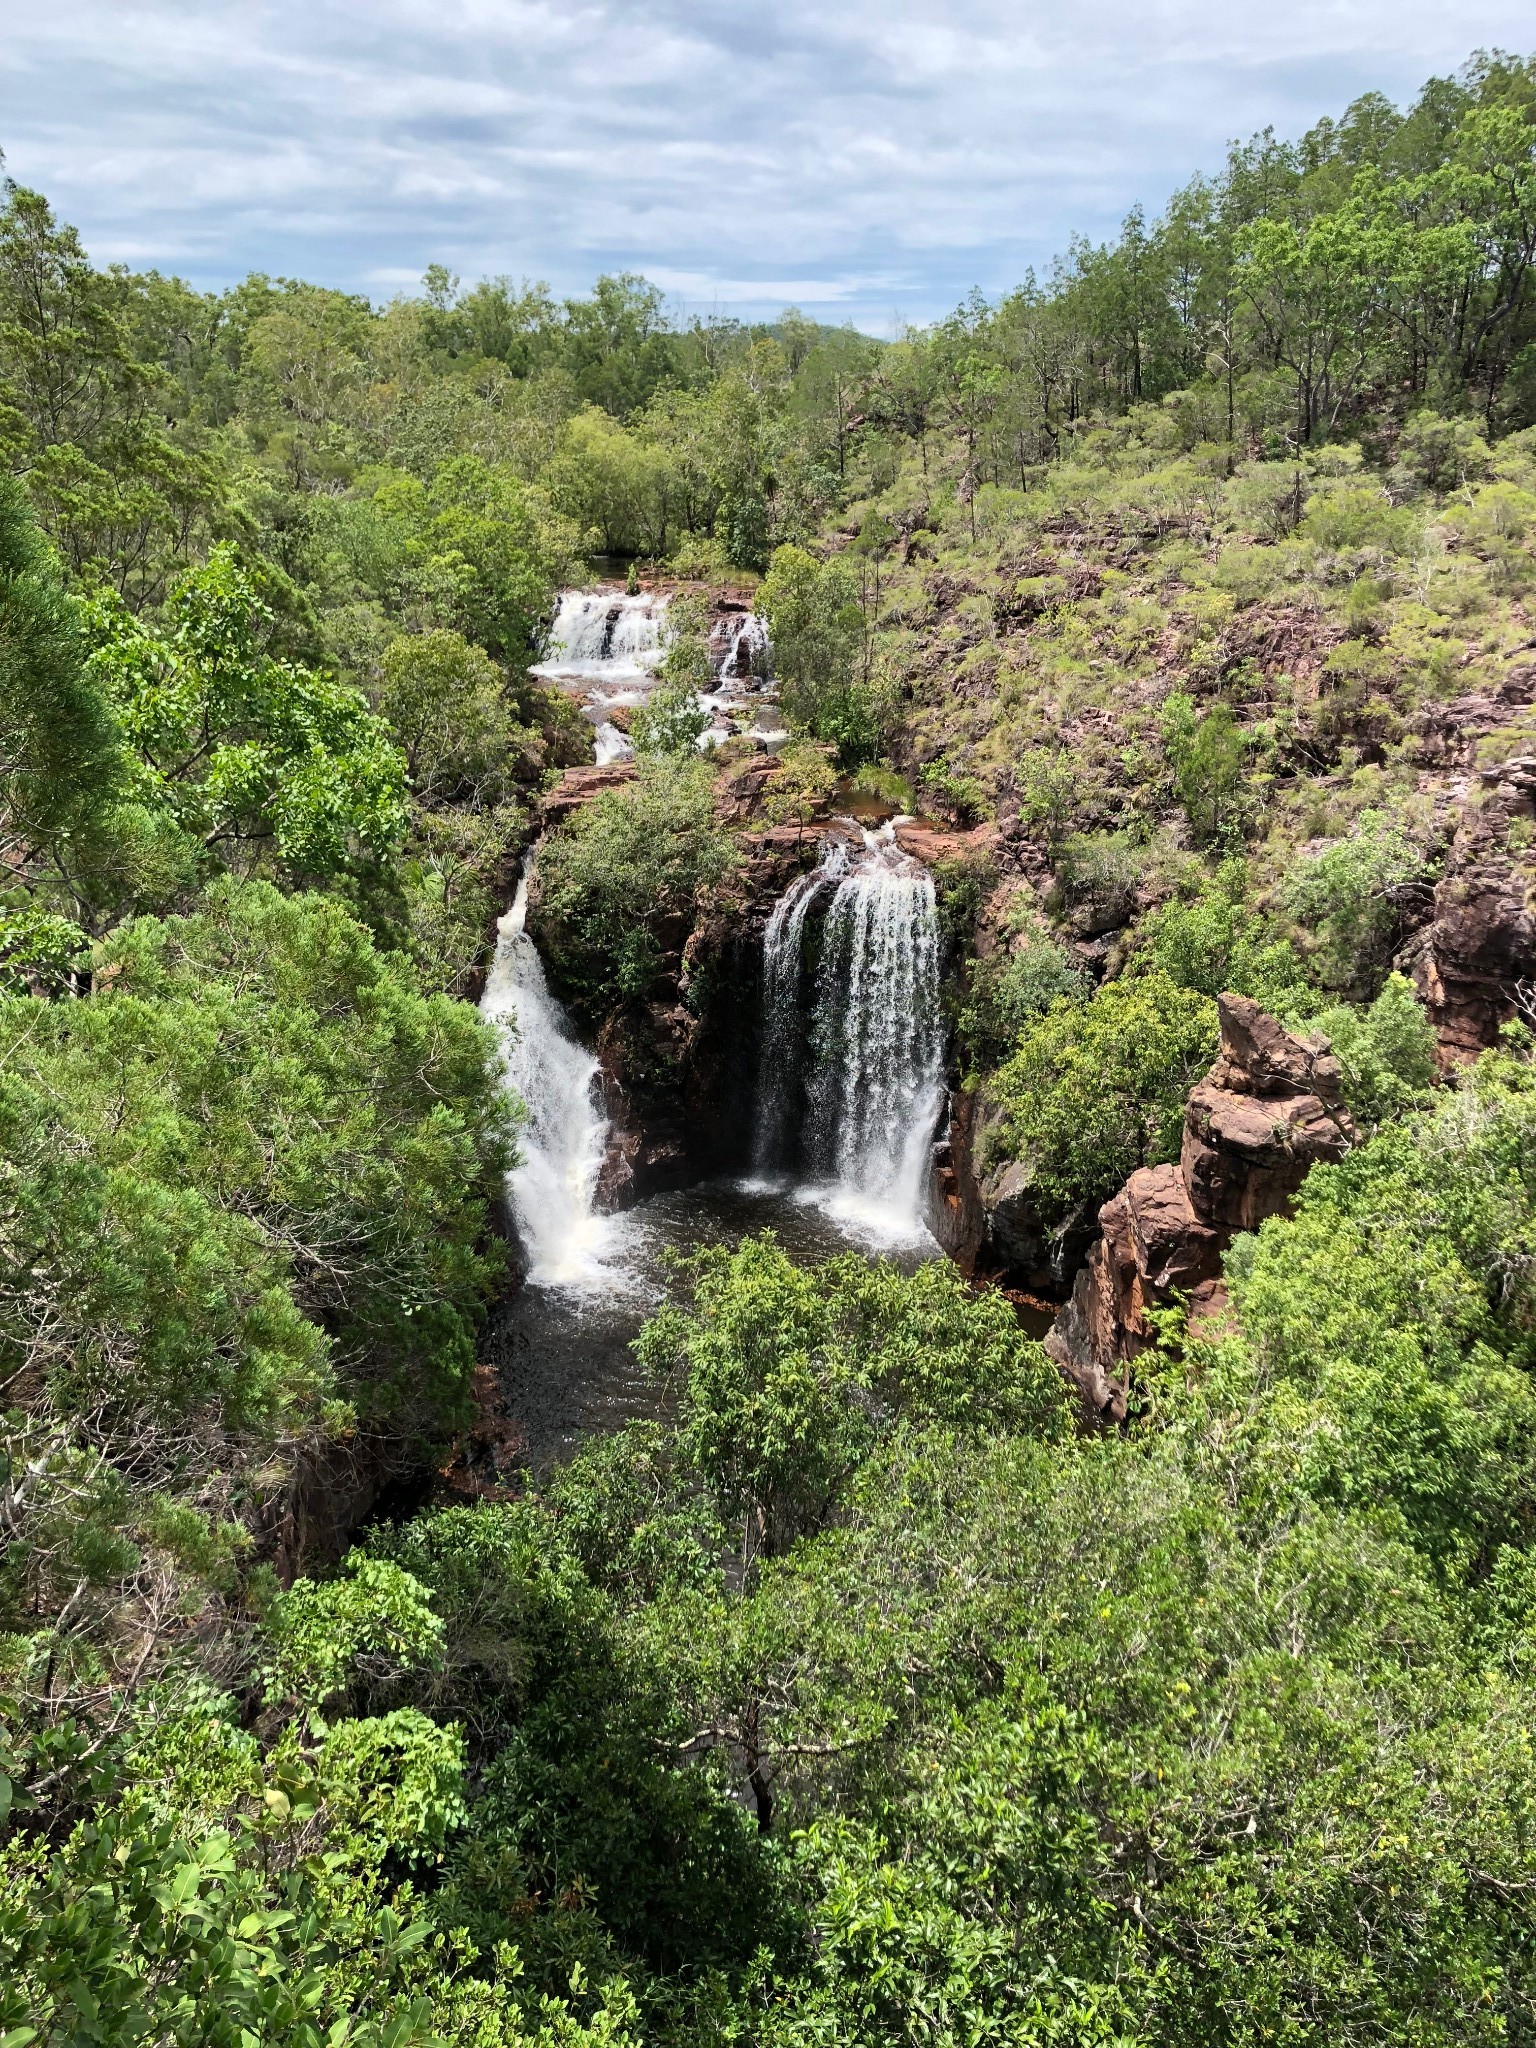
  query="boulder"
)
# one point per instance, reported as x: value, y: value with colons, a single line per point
x: 578, y: 786
x: 1265, y: 1114
x: 1013, y: 1222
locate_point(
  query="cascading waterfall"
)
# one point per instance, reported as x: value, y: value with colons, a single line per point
x: 605, y: 635
x: 605, y: 647
x: 872, y: 1079
x: 780, y: 1068
x: 562, y: 1142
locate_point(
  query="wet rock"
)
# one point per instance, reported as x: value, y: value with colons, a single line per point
x: 958, y: 1218
x: 1013, y: 1219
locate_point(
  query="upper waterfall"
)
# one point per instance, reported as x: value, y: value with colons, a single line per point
x: 553, y: 1190
x: 605, y: 636
x: 605, y: 647
x: 852, y: 1069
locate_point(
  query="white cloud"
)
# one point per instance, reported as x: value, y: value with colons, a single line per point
x: 827, y: 151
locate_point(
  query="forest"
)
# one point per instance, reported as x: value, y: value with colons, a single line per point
x: 900, y: 1679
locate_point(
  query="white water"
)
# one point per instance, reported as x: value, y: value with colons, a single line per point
x: 605, y: 647
x: 605, y: 636
x: 562, y: 1142
x: 872, y: 1085
x: 562, y: 1344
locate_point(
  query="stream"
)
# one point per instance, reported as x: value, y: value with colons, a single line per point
x: 848, y: 1090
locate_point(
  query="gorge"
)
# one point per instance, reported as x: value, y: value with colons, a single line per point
x: 557, y: 855
x: 843, y: 1059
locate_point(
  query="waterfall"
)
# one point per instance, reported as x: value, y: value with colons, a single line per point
x: 605, y: 635
x: 738, y: 647
x: 564, y: 1137
x: 781, y: 1062
x: 605, y: 647
x: 868, y: 1070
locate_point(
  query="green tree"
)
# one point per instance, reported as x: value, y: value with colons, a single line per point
x: 1097, y: 1088
x: 1207, y: 754
x: 243, y: 750
x: 64, y: 768
x: 83, y: 420
x: 623, y: 866
x: 819, y: 650
x: 446, y: 702
x: 1352, y: 892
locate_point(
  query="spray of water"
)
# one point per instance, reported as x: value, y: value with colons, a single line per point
x: 562, y: 1142
x: 867, y: 1072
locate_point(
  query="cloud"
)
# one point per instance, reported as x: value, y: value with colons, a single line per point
x: 859, y: 159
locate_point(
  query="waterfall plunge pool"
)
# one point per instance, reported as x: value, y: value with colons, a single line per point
x: 562, y: 1351
x: 849, y: 1092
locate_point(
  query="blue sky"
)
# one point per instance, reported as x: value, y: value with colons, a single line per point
x: 866, y: 161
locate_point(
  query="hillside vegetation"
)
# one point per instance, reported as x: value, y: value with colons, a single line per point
x: 870, y: 1697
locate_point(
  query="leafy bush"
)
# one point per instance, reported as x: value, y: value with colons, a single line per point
x: 1207, y: 753
x: 1387, y: 1052
x: 622, y: 866
x: 1355, y: 518
x: 1009, y: 990
x: 239, y: 748
x: 279, y: 1158
x: 1218, y: 942
x: 1097, y: 1088
x: 1351, y: 892
x: 817, y: 622
x: 1097, y: 876
x: 448, y: 706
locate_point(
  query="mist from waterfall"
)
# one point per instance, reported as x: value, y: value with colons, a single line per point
x: 553, y: 1191
x: 851, y: 1081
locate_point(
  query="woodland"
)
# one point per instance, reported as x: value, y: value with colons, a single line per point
x: 875, y: 1693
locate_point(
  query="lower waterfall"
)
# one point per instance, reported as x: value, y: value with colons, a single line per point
x: 846, y: 1107
x: 553, y: 1191
x: 851, y: 1080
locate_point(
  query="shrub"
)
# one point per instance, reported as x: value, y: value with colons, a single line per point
x: 1351, y: 893
x: 608, y: 878
x: 1387, y: 1052
x: 1218, y: 943
x: 1097, y: 1088
x: 817, y: 622
x: 1207, y: 753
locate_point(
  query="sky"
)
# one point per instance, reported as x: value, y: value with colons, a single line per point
x: 868, y: 160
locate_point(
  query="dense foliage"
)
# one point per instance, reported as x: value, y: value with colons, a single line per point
x: 863, y: 1696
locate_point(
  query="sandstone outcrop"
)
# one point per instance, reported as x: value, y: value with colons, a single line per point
x: 577, y: 787
x: 1475, y: 962
x: 1268, y: 1111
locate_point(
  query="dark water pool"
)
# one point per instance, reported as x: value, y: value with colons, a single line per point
x: 563, y: 1352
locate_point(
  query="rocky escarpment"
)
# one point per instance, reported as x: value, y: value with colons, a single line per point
x: 1475, y: 963
x: 1266, y: 1113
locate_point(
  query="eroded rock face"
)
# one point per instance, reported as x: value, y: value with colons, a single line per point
x: 1267, y: 1112
x: 577, y: 787
x: 1474, y: 963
